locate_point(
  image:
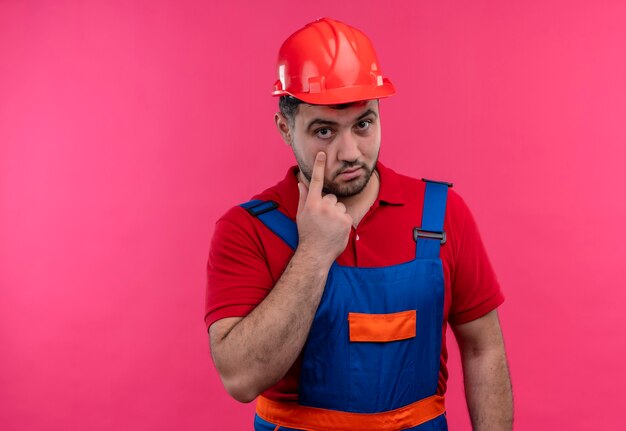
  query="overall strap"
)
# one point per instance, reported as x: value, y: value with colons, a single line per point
x: 431, y: 235
x: 275, y: 220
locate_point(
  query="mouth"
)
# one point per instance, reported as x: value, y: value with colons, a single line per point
x: 349, y: 174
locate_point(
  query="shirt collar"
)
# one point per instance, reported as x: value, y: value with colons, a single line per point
x: 390, y: 192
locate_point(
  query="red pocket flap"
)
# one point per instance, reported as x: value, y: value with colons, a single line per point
x: 382, y: 327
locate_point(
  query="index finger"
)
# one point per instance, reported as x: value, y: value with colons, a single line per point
x: 317, y: 176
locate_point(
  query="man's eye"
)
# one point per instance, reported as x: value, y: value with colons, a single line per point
x: 363, y: 125
x: 324, y: 133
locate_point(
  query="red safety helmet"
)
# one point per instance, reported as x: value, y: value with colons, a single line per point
x: 328, y: 63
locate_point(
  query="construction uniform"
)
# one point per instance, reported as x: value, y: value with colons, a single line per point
x: 375, y: 346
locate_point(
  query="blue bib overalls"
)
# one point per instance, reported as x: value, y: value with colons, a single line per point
x: 375, y: 343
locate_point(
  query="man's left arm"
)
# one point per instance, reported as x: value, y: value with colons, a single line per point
x: 486, y: 375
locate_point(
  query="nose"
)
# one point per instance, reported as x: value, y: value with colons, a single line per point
x: 348, y: 147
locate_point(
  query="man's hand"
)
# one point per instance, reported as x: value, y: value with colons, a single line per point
x: 323, y: 223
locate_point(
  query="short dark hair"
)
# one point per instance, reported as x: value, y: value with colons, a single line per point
x: 288, y: 106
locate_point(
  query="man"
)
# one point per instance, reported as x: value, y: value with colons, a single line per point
x: 329, y: 294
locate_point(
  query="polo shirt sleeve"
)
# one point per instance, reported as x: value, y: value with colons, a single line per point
x: 475, y: 290
x: 238, y: 277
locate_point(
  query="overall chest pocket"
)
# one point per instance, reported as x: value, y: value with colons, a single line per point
x: 383, y: 360
x: 382, y: 327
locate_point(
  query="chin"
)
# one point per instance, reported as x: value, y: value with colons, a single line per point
x: 349, y: 189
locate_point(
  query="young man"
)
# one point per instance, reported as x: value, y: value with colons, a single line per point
x: 329, y: 293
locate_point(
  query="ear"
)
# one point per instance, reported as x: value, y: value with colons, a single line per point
x: 282, y: 124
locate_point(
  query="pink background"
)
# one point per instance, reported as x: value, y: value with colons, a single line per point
x: 127, y: 128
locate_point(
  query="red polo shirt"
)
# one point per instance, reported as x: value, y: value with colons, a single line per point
x: 246, y: 259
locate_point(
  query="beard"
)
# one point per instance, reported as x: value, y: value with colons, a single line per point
x: 348, y: 188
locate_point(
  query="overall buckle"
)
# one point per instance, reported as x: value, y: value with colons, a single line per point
x: 429, y: 234
x: 262, y: 208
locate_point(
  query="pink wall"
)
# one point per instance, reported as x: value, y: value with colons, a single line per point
x: 127, y: 128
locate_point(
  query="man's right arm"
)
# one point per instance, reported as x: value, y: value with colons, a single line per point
x: 253, y: 353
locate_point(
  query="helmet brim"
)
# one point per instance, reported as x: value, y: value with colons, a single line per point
x: 343, y: 95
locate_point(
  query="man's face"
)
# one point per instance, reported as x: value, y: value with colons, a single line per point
x: 350, y: 137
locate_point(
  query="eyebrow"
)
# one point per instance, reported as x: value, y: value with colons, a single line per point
x: 323, y: 122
